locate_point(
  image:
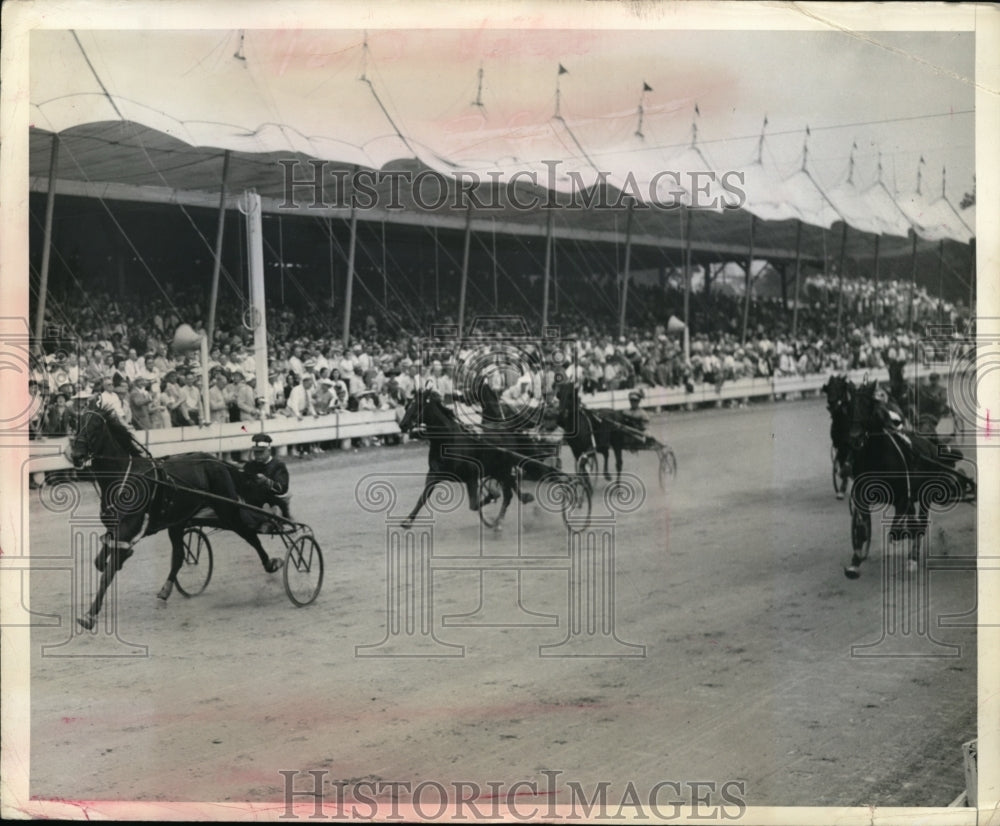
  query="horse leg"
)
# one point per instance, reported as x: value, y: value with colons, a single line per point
x: 176, y: 534
x: 861, y: 535
x: 604, y: 453
x: 524, y: 498
x: 618, y: 462
x: 508, y: 494
x: 116, y: 554
x: 271, y: 564
x: 429, y: 485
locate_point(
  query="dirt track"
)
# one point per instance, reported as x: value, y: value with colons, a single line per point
x: 732, y: 580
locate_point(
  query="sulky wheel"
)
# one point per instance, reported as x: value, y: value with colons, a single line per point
x: 668, y: 465
x: 303, y: 570
x: 577, y: 504
x: 490, y: 501
x: 195, y: 573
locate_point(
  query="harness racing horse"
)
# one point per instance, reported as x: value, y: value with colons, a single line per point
x: 839, y: 391
x: 457, y: 454
x: 141, y: 496
x: 898, y: 469
x: 579, y: 432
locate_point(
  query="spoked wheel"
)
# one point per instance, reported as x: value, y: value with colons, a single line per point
x: 195, y: 573
x: 303, y: 570
x: 668, y: 465
x: 490, y: 501
x: 577, y: 504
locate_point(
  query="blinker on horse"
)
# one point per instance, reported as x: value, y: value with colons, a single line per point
x: 141, y: 496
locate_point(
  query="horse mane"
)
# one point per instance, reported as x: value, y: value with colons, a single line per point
x: 121, y: 434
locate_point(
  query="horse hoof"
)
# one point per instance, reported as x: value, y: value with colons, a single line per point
x: 406, y: 524
x: 274, y: 564
x: 840, y: 495
x: 527, y: 498
x: 851, y: 572
x: 101, y: 561
x: 607, y: 476
x: 87, y: 622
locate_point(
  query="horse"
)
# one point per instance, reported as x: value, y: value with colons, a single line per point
x: 457, y: 454
x: 141, y: 496
x: 839, y: 392
x: 579, y: 431
x: 899, y: 388
x: 895, y: 468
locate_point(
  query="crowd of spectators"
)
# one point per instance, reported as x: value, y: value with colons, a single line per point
x: 122, y: 352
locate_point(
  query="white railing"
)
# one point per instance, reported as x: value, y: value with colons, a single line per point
x: 47, y: 454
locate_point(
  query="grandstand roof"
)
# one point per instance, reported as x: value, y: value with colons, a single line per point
x: 147, y: 115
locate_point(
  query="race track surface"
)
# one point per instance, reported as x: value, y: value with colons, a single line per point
x: 732, y: 580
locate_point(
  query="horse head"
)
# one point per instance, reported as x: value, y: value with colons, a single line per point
x: 838, y: 390
x: 866, y: 404
x: 424, y: 410
x: 567, y: 403
x: 100, y: 434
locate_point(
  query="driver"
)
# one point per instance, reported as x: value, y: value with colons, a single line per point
x: 267, y: 477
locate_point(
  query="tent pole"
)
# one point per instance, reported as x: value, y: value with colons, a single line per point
x: 548, y: 269
x: 840, y: 281
x: 333, y: 282
x: 687, y: 271
x: 878, y: 239
x: 555, y: 275
x: 798, y: 272
x: 972, y: 278
x: 437, y: 273
x: 385, y: 273
x: 940, y: 281
x: 913, y: 285
x: 258, y: 302
x: 349, y: 287
x: 50, y: 202
x: 623, y: 299
x: 217, y: 262
x: 496, y: 291
x: 281, y: 257
x: 748, y: 282
x: 465, y: 270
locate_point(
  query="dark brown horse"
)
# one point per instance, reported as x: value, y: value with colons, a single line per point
x: 895, y: 469
x: 458, y: 455
x: 839, y: 392
x: 141, y: 496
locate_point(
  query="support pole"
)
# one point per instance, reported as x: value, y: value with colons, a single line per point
x: 798, y: 272
x: 496, y: 291
x: 258, y: 304
x: 623, y: 301
x: 333, y: 281
x: 840, y: 280
x: 913, y: 285
x: 217, y: 261
x: 345, y: 334
x: 941, y: 281
x: 548, y: 269
x: 877, y: 308
x: 437, y: 273
x: 50, y: 202
x: 687, y: 271
x: 972, y: 279
x: 748, y: 282
x: 465, y: 270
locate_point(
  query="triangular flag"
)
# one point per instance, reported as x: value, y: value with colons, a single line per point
x: 765, y: 120
x: 697, y: 111
x: 563, y: 70
x: 807, y: 130
x: 646, y: 87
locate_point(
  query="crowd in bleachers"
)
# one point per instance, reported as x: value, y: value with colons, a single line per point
x: 122, y: 351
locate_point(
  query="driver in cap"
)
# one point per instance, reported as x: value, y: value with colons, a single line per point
x: 268, y: 476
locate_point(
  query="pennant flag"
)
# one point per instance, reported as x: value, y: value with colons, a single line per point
x: 646, y: 87
x: 563, y: 70
x: 697, y: 111
x: 765, y: 120
x: 807, y: 130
